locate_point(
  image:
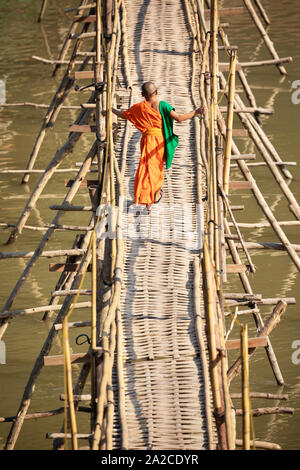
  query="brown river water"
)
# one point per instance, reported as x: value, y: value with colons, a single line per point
x: 27, y: 80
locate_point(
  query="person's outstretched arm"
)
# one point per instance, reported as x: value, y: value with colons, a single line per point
x: 118, y: 113
x: 185, y: 117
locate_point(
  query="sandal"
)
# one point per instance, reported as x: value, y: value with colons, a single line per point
x: 161, y: 195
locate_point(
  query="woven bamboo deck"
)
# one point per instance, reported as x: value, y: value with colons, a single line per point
x: 165, y: 399
x: 155, y: 371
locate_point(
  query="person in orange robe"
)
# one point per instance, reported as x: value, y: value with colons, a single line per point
x: 146, y: 117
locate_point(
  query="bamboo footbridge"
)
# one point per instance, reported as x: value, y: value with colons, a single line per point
x: 156, y: 369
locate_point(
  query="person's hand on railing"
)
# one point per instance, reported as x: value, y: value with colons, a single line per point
x: 200, y: 111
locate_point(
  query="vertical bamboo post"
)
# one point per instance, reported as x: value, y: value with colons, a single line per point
x: 214, y: 99
x: 225, y: 386
x: 228, y: 142
x: 108, y: 11
x: 211, y: 322
x: 214, y: 52
x: 121, y: 383
x: 245, y: 388
x: 69, y: 387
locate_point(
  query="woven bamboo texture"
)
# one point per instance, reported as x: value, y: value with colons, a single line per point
x: 164, y: 391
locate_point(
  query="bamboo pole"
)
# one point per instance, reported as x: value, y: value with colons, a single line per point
x: 211, y: 322
x: 121, y: 383
x: 249, y: 110
x: 265, y: 147
x: 45, y: 308
x: 260, y: 164
x: 55, y: 106
x: 44, y: 254
x: 270, y: 324
x: 228, y: 141
x: 268, y: 411
x: 68, y: 387
x: 262, y: 136
x: 256, y: 313
x: 90, y: 5
x: 55, y: 162
x: 245, y: 388
x: 225, y: 200
x: 42, y: 11
x: 94, y: 294
x: 281, y: 223
x: 107, y: 362
x: 266, y: 246
x: 65, y: 280
x: 264, y: 34
x: 30, y: 386
x: 59, y: 442
x: 269, y: 396
x: 262, y: 11
x: 110, y: 395
x: 70, y: 195
x: 260, y: 445
x: 202, y: 348
x: 35, y: 105
x: 56, y: 62
x: 270, y: 301
x: 262, y: 202
x: 261, y: 63
x: 67, y: 42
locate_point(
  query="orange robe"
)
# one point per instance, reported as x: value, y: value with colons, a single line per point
x: 149, y: 176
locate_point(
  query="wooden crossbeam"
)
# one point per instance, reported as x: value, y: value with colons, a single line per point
x: 246, y: 156
x: 240, y: 132
x: 86, y: 397
x: 226, y: 11
x: 223, y: 67
x: 70, y: 208
x: 82, y: 128
x: 84, y: 183
x: 240, y: 185
x: 61, y: 435
x: 84, y: 74
x: 82, y: 7
x: 78, y: 324
x: 237, y: 268
x: 83, y: 35
x: 59, y: 359
x: 252, y: 343
x: 65, y: 267
x: 247, y: 109
x: 85, y: 19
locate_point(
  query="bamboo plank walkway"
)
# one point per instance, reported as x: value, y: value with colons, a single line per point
x: 156, y: 305
x: 158, y: 359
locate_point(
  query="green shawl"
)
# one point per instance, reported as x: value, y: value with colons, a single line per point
x: 171, y: 139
